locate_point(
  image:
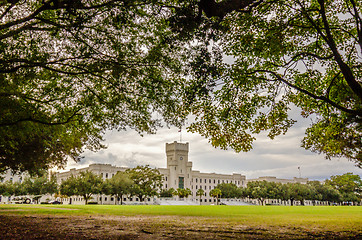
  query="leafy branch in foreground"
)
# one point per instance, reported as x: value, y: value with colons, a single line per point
x: 70, y: 70
x: 300, y: 53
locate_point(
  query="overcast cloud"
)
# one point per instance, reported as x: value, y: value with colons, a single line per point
x: 280, y: 157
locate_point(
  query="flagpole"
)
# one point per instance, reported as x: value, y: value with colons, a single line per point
x: 180, y: 134
x: 300, y: 175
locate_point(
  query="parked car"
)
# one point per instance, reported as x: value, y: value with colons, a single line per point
x: 55, y: 202
x: 21, y: 200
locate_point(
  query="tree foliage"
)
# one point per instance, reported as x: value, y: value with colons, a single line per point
x: 86, y: 184
x: 167, y: 193
x: 119, y: 185
x: 304, y: 53
x: 40, y: 185
x: 215, y: 193
x: 70, y: 70
x: 348, y: 184
x: 184, y: 193
x: 334, y: 190
x: 229, y: 190
x: 200, y: 192
x: 147, y: 181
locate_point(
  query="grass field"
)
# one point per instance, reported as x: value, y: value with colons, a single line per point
x: 293, y: 222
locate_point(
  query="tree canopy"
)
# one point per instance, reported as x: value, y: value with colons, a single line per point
x: 119, y: 185
x: 147, y: 181
x: 229, y: 190
x: 348, y: 184
x: 85, y: 184
x: 70, y: 70
x: 304, y: 53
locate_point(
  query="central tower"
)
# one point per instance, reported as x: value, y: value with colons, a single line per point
x: 179, y: 166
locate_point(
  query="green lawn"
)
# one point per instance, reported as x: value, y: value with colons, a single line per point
x: 324, y: 217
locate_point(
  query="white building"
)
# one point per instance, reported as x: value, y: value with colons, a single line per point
x: 280, y: 180
x: 178, y: 174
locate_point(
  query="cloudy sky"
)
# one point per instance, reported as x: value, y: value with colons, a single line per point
x: 280, y: 157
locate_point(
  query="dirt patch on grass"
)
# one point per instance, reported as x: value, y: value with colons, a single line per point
x: 14, y: 226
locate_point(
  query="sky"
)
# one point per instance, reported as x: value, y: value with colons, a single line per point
x: 280, y: 157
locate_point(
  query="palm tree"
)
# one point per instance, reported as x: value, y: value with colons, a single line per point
x: 200, y: 192
x: 215, y: 193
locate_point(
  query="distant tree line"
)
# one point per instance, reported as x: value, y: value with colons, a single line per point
x: 337, y: 189
x: 36, y: 186
x: 144, y: 182
x: 141, y: 181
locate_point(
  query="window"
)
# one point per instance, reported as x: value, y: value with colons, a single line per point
x: 205, y: 187
x: 205, y: 180
x: 105, y: 198
x: 181, y: 182
x: 196, y: 180
x: 181, y: 170
x: 166, y: 185
x: 102, y: 175
x: 106, y: 175
x: 209, y: 187
x: 112, y: 199
x: 209, y: 180
x: 175, y: 168
x: 218, y: 181
x: 166, y: 178
x: 196, y: 186
x: 214, y: 181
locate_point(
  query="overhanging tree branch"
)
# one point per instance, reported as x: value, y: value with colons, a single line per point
x: 316, y: 97
x: 49, y: 123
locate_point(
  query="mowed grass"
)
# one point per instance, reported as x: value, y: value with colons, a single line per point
x: 327, y: 218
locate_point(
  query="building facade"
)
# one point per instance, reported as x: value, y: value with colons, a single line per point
x: 280, y: 180
x: 177, y: 174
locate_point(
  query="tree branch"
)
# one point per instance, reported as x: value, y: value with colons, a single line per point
x: 30, y: 119
x: 211, y: 8
x: 316, y: 97
x: 345, y: 69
